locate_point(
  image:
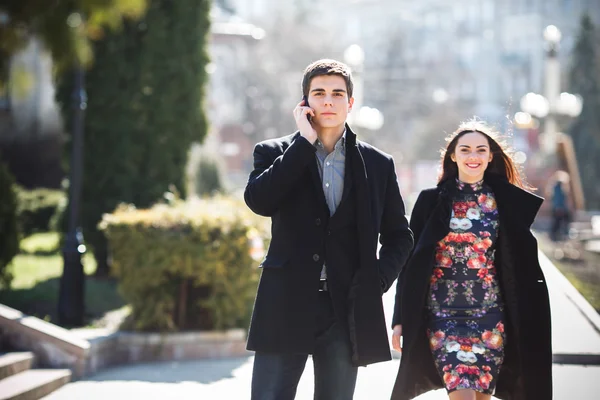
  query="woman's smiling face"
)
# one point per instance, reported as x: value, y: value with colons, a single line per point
x: 472, y: 156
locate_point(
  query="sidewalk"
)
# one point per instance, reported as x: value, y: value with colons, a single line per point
x: 576, y: 331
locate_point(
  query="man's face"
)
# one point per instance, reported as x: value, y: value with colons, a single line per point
x: 327, y: 95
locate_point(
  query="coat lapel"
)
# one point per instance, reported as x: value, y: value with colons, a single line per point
x: 362, y: 304
x: 438, y: 223
x: 315, y: 178
x: 348, y: 180
x: 514, y: 203
x: 351, y: 150
x: 356, y: 174
x: 348, y: 173
x: 318, y: 184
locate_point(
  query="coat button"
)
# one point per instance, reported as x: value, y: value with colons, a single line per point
x: 318, y: 221
x: 316, y: 257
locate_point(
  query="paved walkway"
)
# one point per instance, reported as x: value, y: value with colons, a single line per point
x: 576, y: 330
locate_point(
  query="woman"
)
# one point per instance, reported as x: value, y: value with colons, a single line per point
x: 472, y: 304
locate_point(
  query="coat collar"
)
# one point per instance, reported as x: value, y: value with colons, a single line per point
x: 518, y: 205
x: 349, y: 135
x: 517, y: 208
x: 352, y: 168
x: 515, y: 204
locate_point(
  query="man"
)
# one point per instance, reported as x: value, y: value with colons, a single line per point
x: 329, y: 197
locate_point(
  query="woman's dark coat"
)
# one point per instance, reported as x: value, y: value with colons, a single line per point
x: 526, y: 373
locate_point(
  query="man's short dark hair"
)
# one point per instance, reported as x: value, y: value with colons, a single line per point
x: 327, y: 67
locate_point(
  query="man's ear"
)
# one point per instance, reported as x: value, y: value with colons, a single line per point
x: 350, y: 103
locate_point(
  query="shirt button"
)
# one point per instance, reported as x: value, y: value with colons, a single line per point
x: 316, y: 257
x: 327, y: 185
x: 328, y: 163
x: 318, y: 221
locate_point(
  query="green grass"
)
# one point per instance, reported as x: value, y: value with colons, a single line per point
x: 40, y: 243
x: 37, y: 272
x: 588, y: 289
x: 582, y: 274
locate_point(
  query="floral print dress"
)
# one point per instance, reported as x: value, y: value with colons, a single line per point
x: 465, y: 328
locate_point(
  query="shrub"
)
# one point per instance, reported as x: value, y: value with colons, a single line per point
x: 38, y: 208
x: 187, y: 265
x: 9, y: 234
x: 208, y: 178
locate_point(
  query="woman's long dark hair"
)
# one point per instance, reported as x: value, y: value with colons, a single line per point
x: 502, y: 162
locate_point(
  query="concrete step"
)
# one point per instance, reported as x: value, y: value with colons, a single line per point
x: 13, y: 363
x: 33, y: 384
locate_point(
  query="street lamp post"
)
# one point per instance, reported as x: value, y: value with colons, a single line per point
x: 550, y: 106
x: 552, y: 37
x: 553, y: 103
x: 71, y: 293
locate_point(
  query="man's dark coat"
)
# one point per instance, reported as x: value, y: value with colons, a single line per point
x: 285, y: 185
x: 526, y: 373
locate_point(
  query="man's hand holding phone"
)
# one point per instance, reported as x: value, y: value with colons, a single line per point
x: 302, y: 114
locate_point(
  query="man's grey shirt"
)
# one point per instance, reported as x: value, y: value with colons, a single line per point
x: 332, y: 168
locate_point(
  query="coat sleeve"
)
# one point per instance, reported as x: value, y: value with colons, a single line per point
x: 418, y: 218
x: 273, y: 177
x: 395, y: 236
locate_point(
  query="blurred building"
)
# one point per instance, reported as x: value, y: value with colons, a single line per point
x: 231, y: 42
x: 479, y: 55
x: 30, y: 124
x: 27, y: 107
x: 430, y: 64
x: 486, y: 52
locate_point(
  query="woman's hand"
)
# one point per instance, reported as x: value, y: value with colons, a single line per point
x: 396, y: 338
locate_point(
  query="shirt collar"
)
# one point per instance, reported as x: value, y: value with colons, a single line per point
x: 341, y: 142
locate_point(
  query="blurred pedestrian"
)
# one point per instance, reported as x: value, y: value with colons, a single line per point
x: 472, y: 304
x: 561, y: 214
x: 329, y: 197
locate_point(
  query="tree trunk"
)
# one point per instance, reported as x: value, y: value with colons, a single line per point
x: 182, y: 308
x: 101, y: 255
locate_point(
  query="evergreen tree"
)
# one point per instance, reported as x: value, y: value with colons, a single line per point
x: 9, y: 236
x: 585, y: 131
x: 64, y: 26
x: 145, y: 95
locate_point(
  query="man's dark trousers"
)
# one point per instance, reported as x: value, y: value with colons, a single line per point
x: 276, y: 376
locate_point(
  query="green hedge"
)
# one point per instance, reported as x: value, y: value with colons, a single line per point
x: 9, y: 233
x: 39, y: 209
x: 186, y: 266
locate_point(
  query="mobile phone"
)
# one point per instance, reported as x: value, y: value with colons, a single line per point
x: 305, y: 98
